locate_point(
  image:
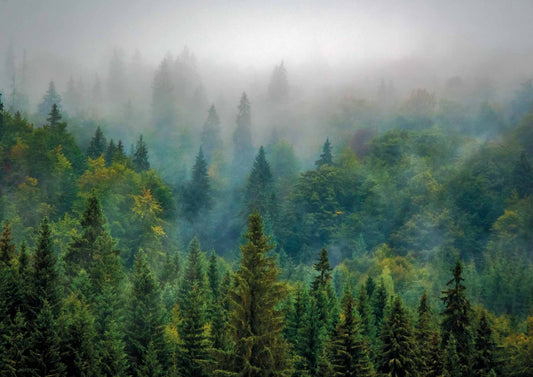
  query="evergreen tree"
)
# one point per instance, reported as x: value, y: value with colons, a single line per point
x: 435, y: 367
x: 365, y: 313
x: 325, y: 158
x: 423, y: 337
x: 311, y: 337
x: 379, y: 303
x: 97, y: 145
x: 110, y: 152
x: 255, y: 321
x: 45, y: 280
x: 44, y: 351
x: 50, y: 99
x: 198, y: 191
x: 260, y: 189
x: 112, y: 352
x: 452, y: 363
x: 456, y: 318
x: 278, y: 89
x: 213, y: 276
x: 398, y: 350
x: 140, y: 158
x: 484, y: 352
x: 350, y: 353
x: 7, y: 248
x: 324, y: 269
x: 294, y: 319
x: 242, y: 138
x: 145, y: 322
x: 54, y: 116
x: 211, y: 140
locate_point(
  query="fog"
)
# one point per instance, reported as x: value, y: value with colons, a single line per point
x: 333, y: 51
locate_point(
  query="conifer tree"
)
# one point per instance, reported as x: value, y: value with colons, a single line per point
x: 350, y: 353
x: 50, y: 99
x: 7, y: 247
x: 54, y: 116
x: 260, y: 190
x: 242, y: 137
x: 311, y: 337
x: 112, y: 352
x: 45, y: 281
x: 198, y: 191
x: 484, y: 352
x: 379, y: 303
x: 324, y: 269
x: 140, y: 157
x: 294, y: 318
x: 398, y: 350
x: 97, y: 146
x: 110, y: 152
x: 211, y: 140
x: 456, y: 317
x: 325, y: 158
x: 145, y: 317
x: 435, y: 367
x: 452, y: 363
x: 255, y: 321
x: 365, y: 313
x: 278, y: 89
x: 423, y: 336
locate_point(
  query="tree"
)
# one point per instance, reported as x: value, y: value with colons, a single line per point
x: 259, y: 190
x: 423, y: 336
x: 324, y: 269
x: 325, y: 158
x: 242, y: 137
x: 97, y: 145
x: 379, y: 302
x: 7, y: 248
x: 278, y: 89
x: 452, y: 363
x: 110, y: 152
x: 50, y: 99
x: 140, y: 158
x: 145, y: 317
x: 211, y: 140
x: 198, y: 191
x: 54, y: 116
x: 350, y: 352
x: 255, y: 320
x: 523, y: 176
x: 484, y: 351
x: 398, y: 350
x: 456, y: 317
x: 311, y: 336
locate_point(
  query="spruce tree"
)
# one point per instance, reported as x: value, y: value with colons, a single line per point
x: 50, y: 99
x: 198, y: 192
x: 242, y: 138
x: 7, y: 247
x: 350, y: 356
x: 54, y: 116
x: 110, y: 152
x: 398, y: 350
x: 140, y: 157
x: 379, y: 303
x: 294, y: 319
x: 260, y: 189
x: 97, y: 146
x: 145, y: 317
x: 211, y: 140
x: 423, y: 336
x: 435, y: 367
x: 456, y: 318
x: 325, y: 158
x: 365, y: 313
x: 255, y: 320
x: 452, y: 362
x: 324, y: 269
x: 311, y: 337
x: 484, y: 351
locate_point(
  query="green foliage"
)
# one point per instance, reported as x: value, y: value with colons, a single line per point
x: 98, y: 144
x: 197, y: 196
x: 140, y: 158
x: 326, y: 157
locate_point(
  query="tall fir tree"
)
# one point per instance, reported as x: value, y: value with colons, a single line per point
x: 350, y: 356
x: 260, y: 194
x: 211, y: 140
x: 326, y: 157
x: 197, y: 196
x: 97, y: 146
x: 398, y: 349
x: 324, y: 271
x: 256, y: 321
x: 456, y: 318
x: 423, y: 336
x: 54, y: 116
x: 7, y: 247
x: 484, y: 359
x: 50, y: 99
x: 452, y: 362
x: 140, y: 157
x: 242, y: 138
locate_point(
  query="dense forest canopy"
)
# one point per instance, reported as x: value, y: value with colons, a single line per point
x: 180, y: 216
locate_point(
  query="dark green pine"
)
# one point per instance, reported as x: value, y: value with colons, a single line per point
x: 326, y: 157
x: 485, y: 349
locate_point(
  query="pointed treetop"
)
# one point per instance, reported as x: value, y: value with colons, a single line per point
x: 7, y: 248
x: 324, y: 269
x: 54, y: 116
x: 140, y: 158
x: 325, y: 158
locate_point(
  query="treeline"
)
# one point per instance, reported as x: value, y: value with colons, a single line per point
x: 82, y: 314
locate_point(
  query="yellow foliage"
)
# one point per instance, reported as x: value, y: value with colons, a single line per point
x: 146, y: 206
x: 18, y: 149
x: 158, y: 230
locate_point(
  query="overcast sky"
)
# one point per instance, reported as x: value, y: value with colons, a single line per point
x: 258, y: 32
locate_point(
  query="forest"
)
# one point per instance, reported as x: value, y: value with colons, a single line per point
x: 188, y: 217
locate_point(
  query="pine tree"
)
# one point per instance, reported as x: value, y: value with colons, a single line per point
x: 44, y: 351
x: 311, y: 337
x: 350, y: 353
x: 423, y: 336
x: 379, y: 303
x: 260, y: 189
x: 365, y: 313
x: 112, y: 352
x: 255, y: 321
x: 294, y: 319
x: 456, y: 318
x: 140, y: 158
x: 45, y: 280
x: 484, y: 352
x: 7, y: 248
x: 398, y: 350
x: 242, y: 138
x: 325, y: 158
x: 50, y: 99
x: 110, y: 152
x: 145, y: 317
x: 435, y: 367
x: 97, y: 145
x: 452, y: 363
x: 324, y: 269
x: 198, y: 191
x: 54, y: 116
x: 211, y: 140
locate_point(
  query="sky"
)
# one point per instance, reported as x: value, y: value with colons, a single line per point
x: 252, y: 33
